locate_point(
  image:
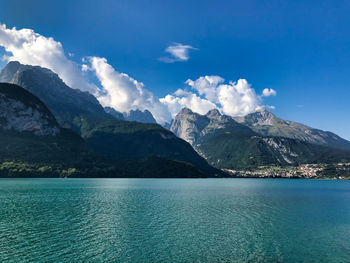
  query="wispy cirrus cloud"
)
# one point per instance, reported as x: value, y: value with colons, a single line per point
x: 177, y: 52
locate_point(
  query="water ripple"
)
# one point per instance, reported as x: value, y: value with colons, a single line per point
x: 143, y: 220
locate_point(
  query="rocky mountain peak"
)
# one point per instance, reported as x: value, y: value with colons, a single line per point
x: 185, y: 110
x: 9, y: 71
x: 267, y: 124
x: 214, y: 113
x: 260, y: 117
x: 263, y: 112
x: 139, y: 116
x: 188, y: 125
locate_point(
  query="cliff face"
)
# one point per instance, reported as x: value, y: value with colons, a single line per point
x: 22, y: 112
x: 192, y: 127
x: 188, y: 125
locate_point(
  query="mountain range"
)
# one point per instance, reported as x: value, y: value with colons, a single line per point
x: 112, y: 140
x: 132, y: 115
x: 72, y: 108
x: 257, y: 139
x: 267, y: 124
x: 50, y: 129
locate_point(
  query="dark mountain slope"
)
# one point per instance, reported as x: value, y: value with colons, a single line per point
x: 33, y: 144
x: 29, y: 131
x: 228, y: 150
x: 133, y: 140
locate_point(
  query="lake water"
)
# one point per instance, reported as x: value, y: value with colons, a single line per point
x: 174, y: 220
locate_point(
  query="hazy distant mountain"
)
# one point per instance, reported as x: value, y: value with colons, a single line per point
x: 266, y: 123
x: 116, y: 114
x: 226, y: 143
x: 133, y: 115
x: 139, y: 116
x: 167, y: 125
x: 72, y: 108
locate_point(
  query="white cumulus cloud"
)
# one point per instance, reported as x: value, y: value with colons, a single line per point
x: 269, y: 92
x: 234, y: 98
x: 28, y: 47
x: 187, y: 99
x: 124, y: 93
x: 177, y: 52
x: 207, y: 86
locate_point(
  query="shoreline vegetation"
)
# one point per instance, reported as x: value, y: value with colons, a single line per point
x: 152, y: 167
x: 13, y: 169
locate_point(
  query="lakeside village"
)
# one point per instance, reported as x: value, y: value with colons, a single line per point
x: 309, y: 171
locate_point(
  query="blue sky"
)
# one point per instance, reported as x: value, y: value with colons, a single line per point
x: 298, y: 48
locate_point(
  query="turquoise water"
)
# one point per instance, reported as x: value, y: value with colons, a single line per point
x: 174, y: 220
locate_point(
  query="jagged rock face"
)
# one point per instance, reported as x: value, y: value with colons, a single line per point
x: 217, y: 121
x: 22, y: 112
x: 283, y: 150
x: 192, y: 126
x: 9, y: 71
x: 188, y: 125
x: 267, y: 124
x: 116, y: 114
x: 139, y: 116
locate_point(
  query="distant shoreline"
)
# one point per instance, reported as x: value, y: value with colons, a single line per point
x: 233, y: 177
